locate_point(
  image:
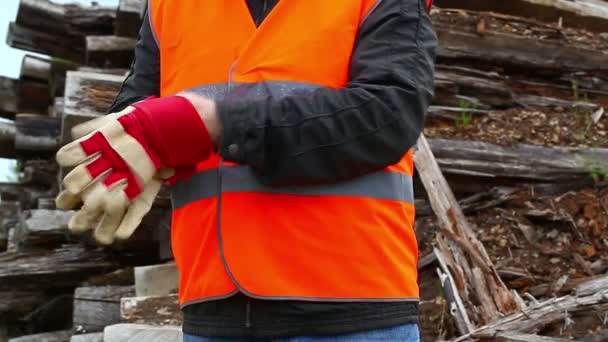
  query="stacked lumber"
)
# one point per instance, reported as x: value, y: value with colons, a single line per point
x: 512, y: 170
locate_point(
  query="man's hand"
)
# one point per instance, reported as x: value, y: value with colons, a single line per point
x: 116, y: 162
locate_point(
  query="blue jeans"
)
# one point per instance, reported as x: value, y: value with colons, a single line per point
x: 402, y: 333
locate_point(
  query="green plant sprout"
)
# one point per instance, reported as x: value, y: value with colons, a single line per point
x: 465, y: 118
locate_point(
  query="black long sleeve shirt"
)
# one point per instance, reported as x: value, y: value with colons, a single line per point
x: 379, y: 114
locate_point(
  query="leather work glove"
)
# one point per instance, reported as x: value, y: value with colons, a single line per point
x: 117, y: 162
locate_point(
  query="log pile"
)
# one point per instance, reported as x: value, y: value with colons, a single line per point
x: 512, y: 196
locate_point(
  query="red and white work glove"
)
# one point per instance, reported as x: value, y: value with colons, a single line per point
x: 117, y: 166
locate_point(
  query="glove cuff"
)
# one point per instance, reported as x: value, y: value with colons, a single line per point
x: 175, y: 130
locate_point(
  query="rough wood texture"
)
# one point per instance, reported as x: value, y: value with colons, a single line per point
x: 156, y: 280
x: 141, y: 333
x: 129, y: 17
x: 474, y: 274
x: 587, y: 14
x: 43, y: 227
x: 8, y: 97
x: 99, y: 306
x: 87, y: 95
x: 57, y: 336
x: 110, y: 51
x: 58, y: 29
x: 60, y: 267
x: 519, y: 337
x: 24, y: 38
x: 460, y: 38
x: 157, y: 310
x: 537, y: 315
x: 37, y: 133
x: 592, y: 286
x: 522, y: 162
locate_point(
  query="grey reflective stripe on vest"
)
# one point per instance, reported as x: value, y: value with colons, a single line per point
x: 382, y: 184
x: 241, y: 90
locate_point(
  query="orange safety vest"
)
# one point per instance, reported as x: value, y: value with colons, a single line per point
x: 348, y: 241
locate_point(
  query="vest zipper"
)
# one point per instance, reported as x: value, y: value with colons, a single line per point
x: 248, y: 314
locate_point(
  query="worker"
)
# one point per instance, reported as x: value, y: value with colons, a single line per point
x: 285, y: 129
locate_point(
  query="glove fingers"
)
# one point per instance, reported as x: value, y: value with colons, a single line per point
x: 93, y: 198
x: 71, y: 154
x: 84, y: 219
x: 67, y: 200
x: 85, y: 128
x: 137, y: 210
x: 84, y: 174
x: 116, y: 204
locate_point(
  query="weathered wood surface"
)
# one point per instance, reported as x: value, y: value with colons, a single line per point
x: 37, y: 133
x: 586, y: 14
x: 522, y: 162
x: 87, y: 95
x: 58, y: 29
x: 156, y: 280
x: 539, y: 314
x: 519, y: 337
x: 76, y: 18
x: 24, y: 38
x: 475, y: 276
x: 109, y: 51
x: 56, y: 336
x: 42, y: 227
x: 156, y: 310
x: 592, y: 286
x: 493, y: 90
x: 92, y: 337
x: 142, y: 333
x: 461, y: 36
x: 61, y: 267
x: 99, y: 306
x: 8, y: 97
x: 129, y: 17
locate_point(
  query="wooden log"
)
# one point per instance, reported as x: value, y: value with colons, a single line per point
x: 531, y: 46
x: 56, y: 336
x: 522, y: 162
x: 156, y: 310
x: 156, y: 280
x: 141, y: 333
x: 42, y: 227
x: 92, y: 337
x: 592, y: 286
x: 36, y: 134
x: 69, y: 47
x: 61, y: 267
x: 586, y: 14
x: 99, y: 306
x: 109, y: 51
x: 129, y: 17
x: 539, y: 314
x: 507, y: 336
x: 8, y: 97
x: 7, y: 139
x: 475, y: 276
x: 87, y: 95
x: 74, y: 18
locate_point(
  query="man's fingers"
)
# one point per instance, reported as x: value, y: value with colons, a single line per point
x: 67, y: 200
x: 137, y: 210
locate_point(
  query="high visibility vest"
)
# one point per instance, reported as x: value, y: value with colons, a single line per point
x: 349, y: 241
